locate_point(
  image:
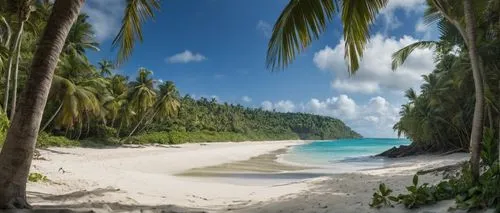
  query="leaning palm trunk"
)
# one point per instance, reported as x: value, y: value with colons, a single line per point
x: 17, y: 152
x: 478, y: 119
x: 9, y: 70
x: 150, y: 120
x: 9, y: 32
x: 52, y: 117
x: 16, y: 71
x: 138, y: 124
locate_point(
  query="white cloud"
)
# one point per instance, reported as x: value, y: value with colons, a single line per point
x: 246, y: 99
x: 105, y: 16
x: 280, y: 106
x: 340, y: 107
x: 406, y: 5
x: 267, y: 105
x: 375, y: 74
x: 186, y: 57
x: 373, y: 119
x: 265, y: 28
x: 390, y: 19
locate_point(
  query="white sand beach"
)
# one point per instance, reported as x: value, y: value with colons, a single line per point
x: 209, y: 177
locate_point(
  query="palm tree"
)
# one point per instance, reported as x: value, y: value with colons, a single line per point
x: 17, y: 152
x: 118, y: 92
x: 167, y: 105
x: 105, y: 68
x: 142, y: 95
x: 80, y: 38
x: 304, y: 20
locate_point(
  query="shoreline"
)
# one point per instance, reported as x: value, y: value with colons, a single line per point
x: 216, y: 177
x: 147, y: 176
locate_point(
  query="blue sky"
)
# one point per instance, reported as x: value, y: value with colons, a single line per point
x: 217, y: 48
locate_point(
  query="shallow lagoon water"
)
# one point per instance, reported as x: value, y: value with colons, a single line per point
x: 343, y: 155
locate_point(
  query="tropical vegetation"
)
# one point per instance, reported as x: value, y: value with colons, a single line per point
x: 302, y: 21
x: 461, y: 186
x: 68, y: 101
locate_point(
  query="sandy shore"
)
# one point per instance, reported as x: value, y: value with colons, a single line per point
x: 213, y: 177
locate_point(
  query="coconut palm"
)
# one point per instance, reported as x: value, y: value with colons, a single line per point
x: 118, y: 92
x: 80, y: 38
x: 142, y: 96
x: 17, y: 152
x: 167, y: 105
x: 105, y: 68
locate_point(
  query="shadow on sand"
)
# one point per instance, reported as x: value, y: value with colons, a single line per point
x: 97, y: 207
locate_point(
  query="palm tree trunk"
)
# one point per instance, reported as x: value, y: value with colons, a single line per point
x: 9, y: 32
x: 9, y: 71
x: 16, y: 71
x: 490, y: 118
x: 52, y: 117
x: 80, y: 130
x: 119, y: 129
x: 113, y: 120
x: 478, y: 119
x: 88, y: 124
x: 150, y: 120
x: 138, y: 124
x: 17, y: 152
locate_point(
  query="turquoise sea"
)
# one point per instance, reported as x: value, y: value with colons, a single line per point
x: 344, y: 155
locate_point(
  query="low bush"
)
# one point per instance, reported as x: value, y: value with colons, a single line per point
x: 46, y: 140
x: 37, y: 177
x: 383, y: 197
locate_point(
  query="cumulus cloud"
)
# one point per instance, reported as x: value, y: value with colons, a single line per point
x: 280, y: 106
x: 390, y: 19
x: 186, y: 57
x: 372, y: 119
x: 246, y: 99
x: 265, y: 28
x: 375, y: 74
x: 105, y: 16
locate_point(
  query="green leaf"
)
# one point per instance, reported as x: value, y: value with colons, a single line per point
x: 399, y: 57
x: 136, y: 13
x: 415, y: 180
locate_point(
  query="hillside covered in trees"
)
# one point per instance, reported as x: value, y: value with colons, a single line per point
x: 250, y: 123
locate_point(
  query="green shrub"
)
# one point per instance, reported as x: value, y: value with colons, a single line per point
x: 46, y: 140
x: 37, y: 177
x: 383, y: 198
x: 418, y: 195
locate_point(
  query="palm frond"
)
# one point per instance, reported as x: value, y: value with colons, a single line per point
x: 399, y: 57
x: 301, y: 22
x: 136, y: 12
x: 357, y: 16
